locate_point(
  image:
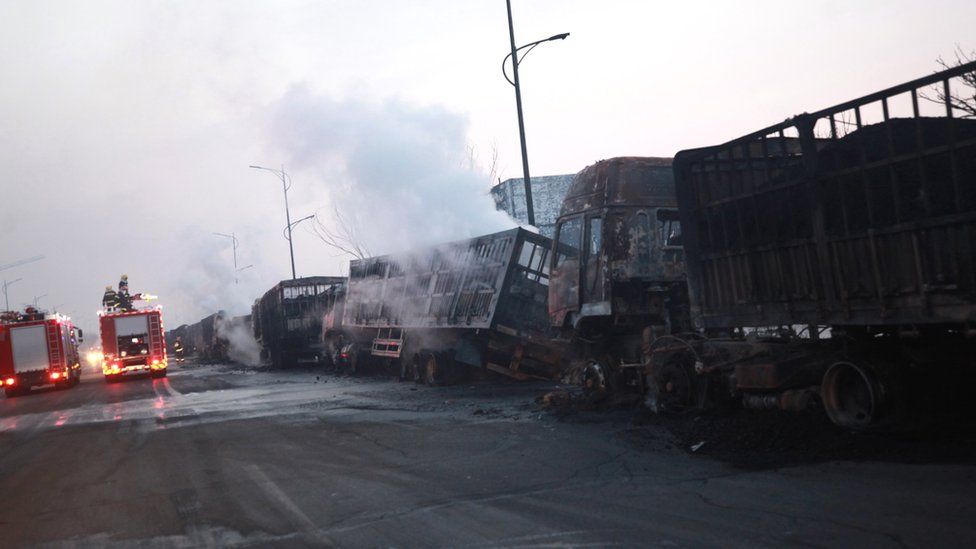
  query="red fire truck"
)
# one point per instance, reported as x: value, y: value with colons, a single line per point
x: 132, y: 343
x: 38, y: 349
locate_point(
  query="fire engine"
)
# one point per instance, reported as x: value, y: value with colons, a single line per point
x: 38, y: 349
x: 132, y: 343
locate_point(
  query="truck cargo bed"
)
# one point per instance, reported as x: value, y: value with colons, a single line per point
x: 860, y: 214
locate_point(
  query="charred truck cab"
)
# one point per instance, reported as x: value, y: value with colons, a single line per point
x: 618, y: 271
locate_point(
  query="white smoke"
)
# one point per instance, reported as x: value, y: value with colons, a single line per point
x: 241, y: 345
x: 203, y: 280
x: 402, y: 174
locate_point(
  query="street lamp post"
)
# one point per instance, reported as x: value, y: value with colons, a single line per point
x: 529, y: 209
x: 37, y: 298
x: 285, y: 185
x: 233, y: 238
x: 6, y: 300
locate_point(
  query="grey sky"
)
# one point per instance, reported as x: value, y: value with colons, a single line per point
x: 126, y: 128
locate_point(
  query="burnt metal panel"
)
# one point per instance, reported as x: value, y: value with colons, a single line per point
x: 832, y: 218
x: 478, y: 283
x: 630, y: 252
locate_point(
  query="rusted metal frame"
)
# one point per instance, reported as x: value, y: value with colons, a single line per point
x: 837, y: 275
x: 815, y: 191
x: 861, y: 163
x: 922, y: 286
x: 877, y: 96
x: 784, y: 187
x: 919, y: 155
x: 781, y: 279
x: 733, y: 280
x: 702, y: 212
x: 816, y: 282
x: 907, y: 156
x: 892, y: 178
x: 952, y: 148
x: 876, y: 268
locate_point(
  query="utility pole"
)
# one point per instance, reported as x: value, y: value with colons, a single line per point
x: 285, y: 185
x: 6, y: 299
x: 233, y: 238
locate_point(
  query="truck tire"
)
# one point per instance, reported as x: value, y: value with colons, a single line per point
x: 679, y: 388
x: 856, y: 395
x: 158, y: 374
x: 417, y: 365
x: 111, y: 379
x: 15, y: 392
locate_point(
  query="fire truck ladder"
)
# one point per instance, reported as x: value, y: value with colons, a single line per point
x: 53, y: 345
x: 155, y: 339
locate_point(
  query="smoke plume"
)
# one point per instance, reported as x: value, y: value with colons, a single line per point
x: 241, y: 345
x: 400, y: 175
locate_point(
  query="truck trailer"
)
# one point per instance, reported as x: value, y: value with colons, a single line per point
x: 441, y: 312
x: 38, y: 349
x: 287, y: 319
x: 133, y: 342
x: 831, y: 259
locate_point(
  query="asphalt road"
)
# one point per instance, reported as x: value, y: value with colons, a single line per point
x: 214, y: 456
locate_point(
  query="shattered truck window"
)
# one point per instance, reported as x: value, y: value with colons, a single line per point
x: 569, y: 240
x: 533, y: 258
x: 669, y: 227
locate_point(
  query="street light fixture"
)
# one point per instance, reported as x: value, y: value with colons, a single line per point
x: 285, y: 185
x: 293, y: 225
x: 529, y: 210
x: 233, y: 238
x: 6, y: 300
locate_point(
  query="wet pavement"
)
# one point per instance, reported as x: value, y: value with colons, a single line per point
x: 222, y: 456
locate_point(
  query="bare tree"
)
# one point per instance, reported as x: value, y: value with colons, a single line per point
x: 963, y: 99
x: 343, y: 234
x: 474, y: 164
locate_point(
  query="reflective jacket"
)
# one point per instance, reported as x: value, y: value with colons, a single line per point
x: 110, y: 299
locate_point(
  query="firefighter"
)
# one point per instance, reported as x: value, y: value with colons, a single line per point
x: 125, y: 300
x: 111, y: 299
x: 178, y: 349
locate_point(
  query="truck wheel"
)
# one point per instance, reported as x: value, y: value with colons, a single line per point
x: 432, y: 369
x: 678, y: 387
x: 111, y: 379
x: 853, y: 395
x: 406, y: 367
x: 418, y: 366
x: 159, y: 374
x: 12, y: 392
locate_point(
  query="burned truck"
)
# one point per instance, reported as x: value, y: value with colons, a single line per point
x: 831, y: 258
x: 618, y: 277
x: 287, y: 319
x: 441, y: 313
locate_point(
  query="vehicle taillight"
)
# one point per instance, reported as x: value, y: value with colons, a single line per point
x: 10, y: 380
x: 55, y: 375
x: 155, y: 361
